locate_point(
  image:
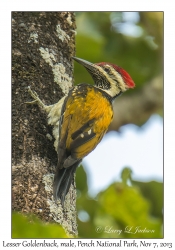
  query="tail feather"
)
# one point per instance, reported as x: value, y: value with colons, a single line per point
x: 62, y: 181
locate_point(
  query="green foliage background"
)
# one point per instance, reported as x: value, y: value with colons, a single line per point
x: 98, y: 39
x: 121, y: 210
x: 120, y: 206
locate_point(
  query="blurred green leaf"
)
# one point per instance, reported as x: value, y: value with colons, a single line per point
x: 126, y: 175
x: 29, y: 226
x: 81, y: 179
x: 130, y: 209
x: 153, y: 191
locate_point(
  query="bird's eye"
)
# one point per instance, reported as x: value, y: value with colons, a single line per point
x: 107, y: 70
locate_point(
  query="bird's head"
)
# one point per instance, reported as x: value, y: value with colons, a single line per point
x: 109, y: 77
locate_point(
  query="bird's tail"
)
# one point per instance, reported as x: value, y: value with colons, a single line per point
x: 62, y: 181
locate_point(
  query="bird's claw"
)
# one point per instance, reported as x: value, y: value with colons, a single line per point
x: 36, y: 98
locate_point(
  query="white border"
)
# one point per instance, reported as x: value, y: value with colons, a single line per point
x: 5, y: 94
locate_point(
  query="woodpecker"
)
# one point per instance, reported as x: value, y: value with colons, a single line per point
x: 86, y: 114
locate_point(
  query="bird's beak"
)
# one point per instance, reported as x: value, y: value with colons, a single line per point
x: 88, y: 65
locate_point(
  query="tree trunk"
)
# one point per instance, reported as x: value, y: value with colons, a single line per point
x: 42, y: 46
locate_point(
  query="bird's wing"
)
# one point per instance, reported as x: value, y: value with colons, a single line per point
x: 83, y: 125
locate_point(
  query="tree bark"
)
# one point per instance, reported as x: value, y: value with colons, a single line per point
x: 42, y: 46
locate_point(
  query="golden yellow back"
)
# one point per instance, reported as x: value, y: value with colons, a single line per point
x: 86, y: 118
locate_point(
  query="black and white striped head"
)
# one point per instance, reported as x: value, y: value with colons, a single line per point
x: 107, y: 76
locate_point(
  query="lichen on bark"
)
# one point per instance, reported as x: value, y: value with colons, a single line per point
x: 33, y: 155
